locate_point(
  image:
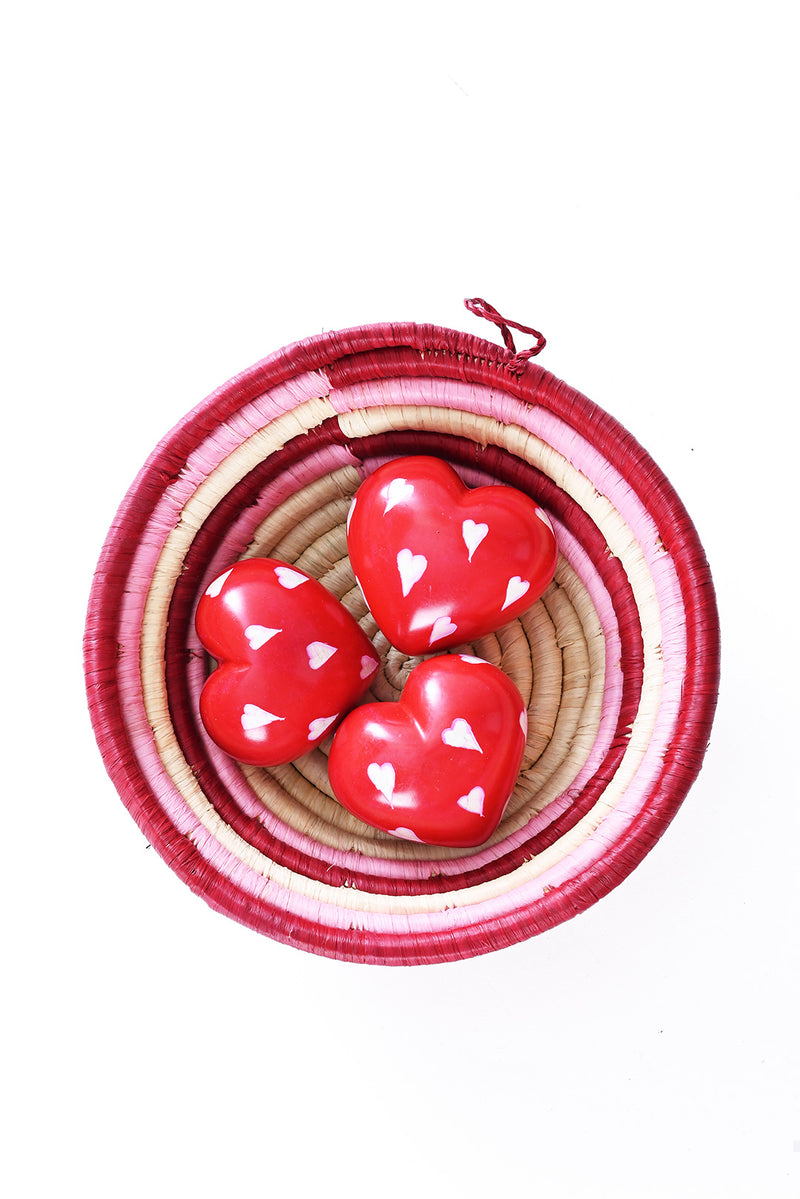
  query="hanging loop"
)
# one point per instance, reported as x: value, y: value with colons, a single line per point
x: 485, y: 310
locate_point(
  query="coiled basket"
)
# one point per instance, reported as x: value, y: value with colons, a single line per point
x: 618, y: 662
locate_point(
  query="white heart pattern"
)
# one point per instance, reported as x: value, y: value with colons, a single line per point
x: 317, y: 727
x: 473, y: 801
x: 515, y: 590
x: 289, y: 578
x: 350, y: 512
x: 397, y: 491
x: 258, y: 635
x: 473, y: 535
x: 411, y: 567
x: 544, y: 518
x: 442, y: 627
x: 523, y: 723
x: 213, y: 589
x: 406, y: 833
x: 367, y: 666
x: 461, y: 736
x: 474, y: 661
x: 318, y: 653
x: 254, y: 717
x: 382, y: 778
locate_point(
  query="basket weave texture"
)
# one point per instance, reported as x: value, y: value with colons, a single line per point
x: 618, y: 662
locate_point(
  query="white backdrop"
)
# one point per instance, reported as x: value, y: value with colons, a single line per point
x: 191, y: 186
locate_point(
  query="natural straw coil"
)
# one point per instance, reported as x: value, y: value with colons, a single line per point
x: 618, y: 661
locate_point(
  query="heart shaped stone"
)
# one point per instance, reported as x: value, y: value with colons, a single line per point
x: 441, y: 564
x: 439, y: 765
x: 292, y: 661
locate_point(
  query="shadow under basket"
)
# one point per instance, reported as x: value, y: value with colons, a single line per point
x: 618, y: 662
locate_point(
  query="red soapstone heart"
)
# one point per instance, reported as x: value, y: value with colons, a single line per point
x: 292, y: 661
x: 440, y: 564
x: 438, y: 766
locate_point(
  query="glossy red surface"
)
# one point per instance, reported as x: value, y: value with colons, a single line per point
x: 292, y: 661
x: 440, y: 564
x: 439, y: 765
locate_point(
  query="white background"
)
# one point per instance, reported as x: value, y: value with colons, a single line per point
x: 191, y: 186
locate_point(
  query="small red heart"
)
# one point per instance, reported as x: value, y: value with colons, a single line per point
x: 292, y: 661
x: 438, y: 766
x: 441, y: 564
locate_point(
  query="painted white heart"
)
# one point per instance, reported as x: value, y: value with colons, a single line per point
x: 213, y: 589
x: 442, y: 627
x: 350, y: 512
x: 254, y: 717
x: 317, y: 727
x: 473, y: 535
x: 406, y: 833
x: 367, y: 666
x: 411, y: 567
x: 523, y: 722
x: 289, y: 578
x: 258, y: 635
x: 544, y: 518
x: 461, y: 736
x: 318, y: 653
x: 382, y: 778
x: 397, y: 491
x: 473, y: 801
x: 474, y: 661
x: 515, y: 590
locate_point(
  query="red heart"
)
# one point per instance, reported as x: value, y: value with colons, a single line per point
x: 440, y: 564
x: 439, y: 765
x: 292, y: 661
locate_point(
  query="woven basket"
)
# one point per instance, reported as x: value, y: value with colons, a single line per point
x: 618, y: 662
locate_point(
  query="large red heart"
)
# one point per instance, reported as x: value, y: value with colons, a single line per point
x: 439, y: 765
x: 292, y: 661
x: 440, y: 564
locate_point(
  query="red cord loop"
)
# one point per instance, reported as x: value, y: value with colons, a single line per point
x: 483, y: 309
